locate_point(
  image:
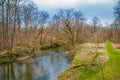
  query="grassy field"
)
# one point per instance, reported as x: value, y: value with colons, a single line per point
x: 86, y: 71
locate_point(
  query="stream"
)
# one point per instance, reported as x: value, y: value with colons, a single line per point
x: 45, y: 67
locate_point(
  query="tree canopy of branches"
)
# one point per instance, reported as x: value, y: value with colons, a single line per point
x: 22, y: 23
x: 116, y: 23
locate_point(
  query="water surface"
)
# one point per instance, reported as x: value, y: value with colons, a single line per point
x: 42, y: 68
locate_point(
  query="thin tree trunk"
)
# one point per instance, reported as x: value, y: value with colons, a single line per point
x: 13, y: 33
x: 41, y: 36
x: 7, y: 25
x: 3, y: 26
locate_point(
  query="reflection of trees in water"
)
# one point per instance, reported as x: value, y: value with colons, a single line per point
x: 54, y: 59
x: 44, y: 77
x: 19, y: 71
x: 3, y: 72
x: 7, y: 72
x: 43, y: 68
x: 29, y: 72
x: 12, y: 72
x: 16, y: 72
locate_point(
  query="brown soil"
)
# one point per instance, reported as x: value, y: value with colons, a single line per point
x: 117, y: 46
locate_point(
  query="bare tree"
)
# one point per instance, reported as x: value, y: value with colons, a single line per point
x: 95, y: 22
x: 3, y: 23
x: 66, y: 16
x: 54, y: 28
x: 41, y: 22
x: 116, y: 24
x: 79, y: 21
x: 14, y: 21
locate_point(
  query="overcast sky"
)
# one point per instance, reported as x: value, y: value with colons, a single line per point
x: 90, y: 8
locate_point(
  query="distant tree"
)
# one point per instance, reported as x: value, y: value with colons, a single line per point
x: 117, y: 11
x: 67, y: 18
x: 42, y: 19
x: 116, y: 24
x: 26, y: 17
x: 14, y: 21
x: 2, y: 4
x: 78, y: 23
x: 95, y: 22
x: 55, y: 27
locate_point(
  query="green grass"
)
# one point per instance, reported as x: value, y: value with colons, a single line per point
x: 81, y: 73
x: 2, y: 60
x: 111, y: 69
x: 3, y: 57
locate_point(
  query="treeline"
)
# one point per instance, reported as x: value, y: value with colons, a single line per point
x: 23, y: 24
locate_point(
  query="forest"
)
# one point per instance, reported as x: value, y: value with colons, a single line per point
x: 35, y: 45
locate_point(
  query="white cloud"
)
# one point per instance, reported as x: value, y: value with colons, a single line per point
x: 106, y: 22
x: 68, y: 3
x: 103, y: 21
x: 96, y: 1
x: 53, y: 5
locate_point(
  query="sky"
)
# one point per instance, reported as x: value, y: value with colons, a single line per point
x: 90, y: 8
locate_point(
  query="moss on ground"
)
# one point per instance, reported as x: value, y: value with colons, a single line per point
x: 56, y: 47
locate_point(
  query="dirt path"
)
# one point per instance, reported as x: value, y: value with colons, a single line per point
x: 117, y: 46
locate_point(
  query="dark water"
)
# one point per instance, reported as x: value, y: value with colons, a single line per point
x: 44, y: 68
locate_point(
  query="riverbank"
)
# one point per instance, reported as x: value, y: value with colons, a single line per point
x: 21, y: 53
x: 87, y: 65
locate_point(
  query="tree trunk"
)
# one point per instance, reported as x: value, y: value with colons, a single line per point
x: 3, y: 26
x: 13, y: 32
x: 7, y: 25
x: 41, y: 36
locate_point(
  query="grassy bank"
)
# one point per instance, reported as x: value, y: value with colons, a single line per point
x: 81, y: 66
x: 112, y: 68
x: 56, y: 47
x: 85, y: 70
